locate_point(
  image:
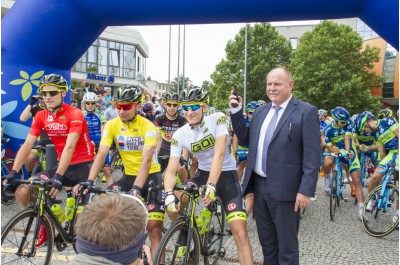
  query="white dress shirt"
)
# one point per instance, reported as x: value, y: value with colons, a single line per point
x: 258, y: 166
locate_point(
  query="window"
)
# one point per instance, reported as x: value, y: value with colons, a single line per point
x: 92, y: 54
x: 294, y: 42
x: 114, y: 57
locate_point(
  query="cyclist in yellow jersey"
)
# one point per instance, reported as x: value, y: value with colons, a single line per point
x: 135, y: 138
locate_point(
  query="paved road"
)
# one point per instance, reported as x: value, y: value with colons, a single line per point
x: 321, y: 240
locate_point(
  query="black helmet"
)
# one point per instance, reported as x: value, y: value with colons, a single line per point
x: 128, y: 93
x: 385, y: 113
x: 53, y: 80
x: 194, y: 93
x: 171, y: 97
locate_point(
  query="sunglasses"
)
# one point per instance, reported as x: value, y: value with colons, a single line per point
x: 251, y: 113
x: 91, y: 103
x: 342, y: 122
x: 49, y: 93
x: 193, y: 107
x: 41, y: 98
x: 172, y: 105
x: 125, y: 106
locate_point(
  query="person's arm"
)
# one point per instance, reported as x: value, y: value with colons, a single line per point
x: 382, y: 151
x: 26, y: 113
x: 159, y: 140
x: 355, y: 141
x: 98, y: 162
x: 24, y: 152
x: 67, y: 152
x: 238, y: 124
x: 169, y: 176
x: 147, y: 154
x: 235, y: 144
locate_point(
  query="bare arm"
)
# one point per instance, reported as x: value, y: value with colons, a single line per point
x: 98, y: 161
x: 382, y: 151
x: 24, y: 152
x: 147, y: 155
x: 26, y: 114
x: 158, y: 140
x: 169, y: 177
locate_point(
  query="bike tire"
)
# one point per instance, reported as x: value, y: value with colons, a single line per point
x: 173, y: 239
x: 213, y: 239
x: 7, y: 196
x: 24, y: 225
x: 116, y: 166
x: 378, y: 223
x: 333, y: 196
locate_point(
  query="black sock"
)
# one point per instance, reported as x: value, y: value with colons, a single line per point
x: 69, y: 193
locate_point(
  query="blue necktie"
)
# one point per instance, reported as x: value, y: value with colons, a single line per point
x: 268, y: 137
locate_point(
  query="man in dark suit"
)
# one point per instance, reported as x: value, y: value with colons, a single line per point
x: 282, y: 165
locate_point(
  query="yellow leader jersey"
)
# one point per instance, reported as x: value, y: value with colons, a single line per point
x: 130, y: 140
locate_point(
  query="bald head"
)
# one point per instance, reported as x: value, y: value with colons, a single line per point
x: 279, y: 85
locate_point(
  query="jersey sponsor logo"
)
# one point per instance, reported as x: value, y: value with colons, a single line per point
x: 76, y: 121
x: 104, y: 133
x: 168, y: 136
x: 232, y: 206
x: 205, y: 131
x: 55, y: 126
x: 150, y: 207
x: 221, y: 120
x: 62, y: 118
x: 204, y: 144
x: 130, y: 143
x: 50, y: 118
x: 174, y: 142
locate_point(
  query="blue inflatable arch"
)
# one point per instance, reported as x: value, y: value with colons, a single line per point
x: 44, y: 36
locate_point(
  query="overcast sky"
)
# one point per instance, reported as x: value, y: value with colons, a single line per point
x: 205, y: 47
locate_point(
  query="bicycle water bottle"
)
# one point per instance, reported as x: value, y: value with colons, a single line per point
x: 199, y: 222
x: 69, y: 208
x: 58, y: 212
x: 206, y: 216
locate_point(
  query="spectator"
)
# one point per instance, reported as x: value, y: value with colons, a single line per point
x: 101, y: 231
x: 74, y: 103
x: 107, y: 97
x: 111, y: 112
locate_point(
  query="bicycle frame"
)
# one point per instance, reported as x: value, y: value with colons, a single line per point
x: 383, y: 199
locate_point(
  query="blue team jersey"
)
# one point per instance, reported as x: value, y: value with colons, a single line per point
x: 384, y: 134
x: 335, y: 135
x: 323, y: 125
x: 364, y: 138
x: 94, y: 121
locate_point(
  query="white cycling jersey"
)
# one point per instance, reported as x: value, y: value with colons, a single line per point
x: 201, y: 141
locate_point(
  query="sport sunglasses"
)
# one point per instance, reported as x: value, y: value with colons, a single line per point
x: 193, y: 107
x: 49, y: 93
x: 128, y: 106
x: 172, y: 105
x: 91, y: 103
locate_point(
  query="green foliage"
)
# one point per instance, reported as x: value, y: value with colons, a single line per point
x: 330, y: 68
x: 266, y: 49
x: 174, y: 84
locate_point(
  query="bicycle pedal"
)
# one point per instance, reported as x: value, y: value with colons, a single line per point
x: 222, y: 252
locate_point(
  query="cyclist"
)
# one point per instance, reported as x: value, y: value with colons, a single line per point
x: 207, y: 137
x: 43, y: 140
x: 260, y: 102
x: 365, y: 141
x: 339, y: 133
x: 135, y: 138
x: 67, y: 129
x: 384, y: 113
x: 149, y: 112
x: 167, y: 123
x: 323, y: 123
x: 96, y: 120
x: 386, y: 134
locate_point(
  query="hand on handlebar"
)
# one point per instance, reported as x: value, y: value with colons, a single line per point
x: 170, y: 201
x: 10, y: 176
x: 208, y: 193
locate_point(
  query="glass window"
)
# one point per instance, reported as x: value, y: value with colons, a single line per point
x: 114, y: 57
x: 102, y: 69
x: 128, y: 73
x: 138, y: 64
x: 113, y: 71
x: 96, y: 42
x: 92, y: 54
x: 111, y: 44
x: 388, y: 90
x: 129, y: 60
x: 102, y: 43
x: 103, y: 58
x: 128, y: 47
x: 118, y: 46
x: 294, y: 42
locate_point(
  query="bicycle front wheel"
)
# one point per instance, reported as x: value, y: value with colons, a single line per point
x: 116, y: 166
x: 333, y: 198
x: 173, y: 246
x: 381, y: 220
x: 212, y: 240
x: 18, y: 239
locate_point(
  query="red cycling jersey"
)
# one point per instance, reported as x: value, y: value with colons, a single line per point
x: 67, y: 120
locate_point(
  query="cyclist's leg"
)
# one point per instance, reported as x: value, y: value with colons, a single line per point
x: 249, y: 202
x: 240, y: 169
x: 380, y: 171
x: 355, y: 172
x: 163, y: 157
x: 228, y: 189
x: 107, y: 170
x: 156, y: 212
x: 31, y: 161
x: 328, y: 162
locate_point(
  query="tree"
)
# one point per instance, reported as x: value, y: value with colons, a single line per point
x: 266, y: 49
x: 174, y: 84
x: 331, y: 68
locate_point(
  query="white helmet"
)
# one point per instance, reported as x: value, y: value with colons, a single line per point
x: 90, y: 96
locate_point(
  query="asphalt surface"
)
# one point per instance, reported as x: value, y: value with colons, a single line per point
x: 322, y: 241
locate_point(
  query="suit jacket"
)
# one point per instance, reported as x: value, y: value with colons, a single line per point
x: 293, y: 153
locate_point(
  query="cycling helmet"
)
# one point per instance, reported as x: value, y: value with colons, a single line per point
x: 251, y: 106
x: 194, y: 93
x: 385, y: 113
x: 89, y: 96
x: 128, y: 93
x: 369, y: 113
x: 53, y: 80
x: 361, y: 120
x: 211, y: 109
x: 322, y: 112
x: 260, y: 103
x: 147, y: 107
x: 171, y: 97
x: 340, y: 114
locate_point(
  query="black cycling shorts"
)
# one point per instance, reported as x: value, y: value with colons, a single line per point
x: 228, y: 189
x: 156, y: 211
x: 74, y: 174
x: 163, y: 158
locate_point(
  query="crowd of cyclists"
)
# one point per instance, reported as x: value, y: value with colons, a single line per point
x: 156, y: 139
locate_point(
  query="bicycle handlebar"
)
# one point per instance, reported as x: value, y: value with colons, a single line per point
x: 335, y: 155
